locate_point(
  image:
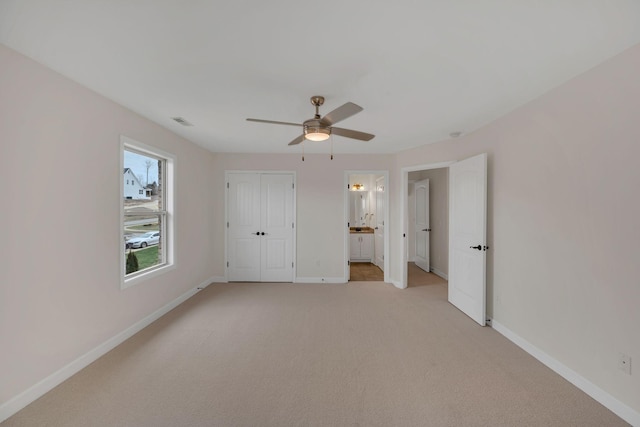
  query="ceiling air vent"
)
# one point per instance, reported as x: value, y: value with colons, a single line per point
x: 182, y: 121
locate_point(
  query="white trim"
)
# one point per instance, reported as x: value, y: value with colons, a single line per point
x: 169, y: 195
x: 439, y: 273
x: 141, y: 277
x: 219, y: 279
x: 320, y: 280
x: 625, y: 412
x: 34, y: 392
x: 397, y: 284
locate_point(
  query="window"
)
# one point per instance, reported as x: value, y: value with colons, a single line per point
x: 146, y: 216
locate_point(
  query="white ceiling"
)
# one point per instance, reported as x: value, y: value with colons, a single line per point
x: 420, y: 69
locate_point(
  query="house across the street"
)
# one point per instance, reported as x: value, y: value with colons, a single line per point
x: 132, y: 187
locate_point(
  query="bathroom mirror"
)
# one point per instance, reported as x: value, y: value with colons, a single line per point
x: 358, y: 208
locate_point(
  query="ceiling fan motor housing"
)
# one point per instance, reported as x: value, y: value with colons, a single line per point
x: 315, y: 131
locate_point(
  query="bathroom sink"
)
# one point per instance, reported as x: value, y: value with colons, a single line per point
x: 360, y: 230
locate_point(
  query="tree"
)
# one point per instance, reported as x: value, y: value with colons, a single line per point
x: 153, y: 187
x: 132, y: 262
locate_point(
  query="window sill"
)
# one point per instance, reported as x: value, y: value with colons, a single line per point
x: 127, y: 282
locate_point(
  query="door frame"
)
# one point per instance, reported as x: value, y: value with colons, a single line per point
x: 385, y: 174
x: 404, y: 211
x: 226, y: 215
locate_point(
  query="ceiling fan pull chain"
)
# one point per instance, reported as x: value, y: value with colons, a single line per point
x: 331, y: 146
x: 303, y: 151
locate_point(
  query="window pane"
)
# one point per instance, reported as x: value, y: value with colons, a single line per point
x: 142, y: 237
x: 144, y: 215
x: 144, y: 173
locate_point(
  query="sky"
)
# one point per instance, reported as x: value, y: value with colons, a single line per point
x: 136, y: 162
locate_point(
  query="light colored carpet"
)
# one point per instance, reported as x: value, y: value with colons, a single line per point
x: 361, y: 354
x: 418, y: 277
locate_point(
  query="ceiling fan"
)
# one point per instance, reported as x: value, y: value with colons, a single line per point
x: 321, y: 128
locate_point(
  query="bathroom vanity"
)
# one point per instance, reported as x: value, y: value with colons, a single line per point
x: 361, y: 244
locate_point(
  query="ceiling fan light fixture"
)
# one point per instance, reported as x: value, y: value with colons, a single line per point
x: 317, y: 133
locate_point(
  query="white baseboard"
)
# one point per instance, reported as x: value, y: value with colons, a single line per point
x: 320, y: 280
x: 18, y: 402
x: 439, y: 273
x: 397, y: 284
x: 625, y: 412
x: 218, y: 279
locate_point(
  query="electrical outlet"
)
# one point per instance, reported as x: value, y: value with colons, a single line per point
x: 624, y: 363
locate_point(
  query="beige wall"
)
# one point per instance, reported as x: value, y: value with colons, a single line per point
x: 320, y: 204
x: 563, y: 269
x: 60, y: 230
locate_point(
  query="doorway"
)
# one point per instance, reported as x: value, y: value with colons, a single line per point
x: 428, y: 225
x: 366, y: 234
x: 466, y: 273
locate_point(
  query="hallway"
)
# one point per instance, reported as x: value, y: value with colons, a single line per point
x: 418, y: 277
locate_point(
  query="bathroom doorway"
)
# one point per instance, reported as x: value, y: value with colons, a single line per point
x: 366, y: 234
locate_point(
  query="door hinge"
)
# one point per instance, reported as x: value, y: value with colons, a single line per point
x: 227, y: 224
x: 348, y: 262
x: 291, y: 265
x: 348, y: 225
x: 292, y: 225
x: 227, y: 185
x: 293, y: 186
x: 347, y: 186
x: 227, y: 263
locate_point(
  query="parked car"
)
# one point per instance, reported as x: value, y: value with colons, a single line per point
x: 144, y: 240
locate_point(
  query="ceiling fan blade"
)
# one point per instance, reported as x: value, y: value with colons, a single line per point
x: 274, y: 122
x: 341, y: 113
x: 298, y: 140
x: 362, y: 136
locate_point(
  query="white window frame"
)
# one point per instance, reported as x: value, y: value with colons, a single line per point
x: 168, y: 197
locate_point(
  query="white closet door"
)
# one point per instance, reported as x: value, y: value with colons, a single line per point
x: 260, y: 231
x: 244, y: 227
x: 277, y: 224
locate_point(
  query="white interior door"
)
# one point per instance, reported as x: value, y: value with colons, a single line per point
x: 260, y: 227
x: 277, y: 226
x: 244, y: 225
x: 378, y: 234
x: 421, y: 228
x: 467, y: 236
